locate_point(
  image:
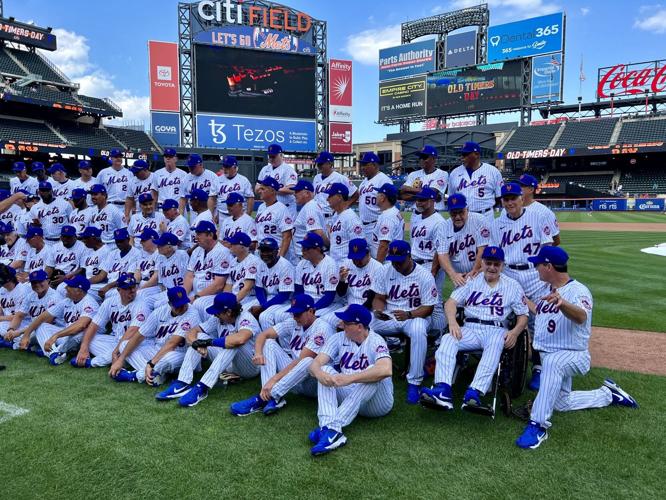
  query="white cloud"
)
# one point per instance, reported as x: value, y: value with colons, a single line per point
x: 584, y: 11
x: 364, y: 47
x: 73, y: 58
x: 504, y: 8
x: 655, y: 20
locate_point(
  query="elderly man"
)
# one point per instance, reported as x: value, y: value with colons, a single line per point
x: 310, y: 217
x: 367, y: 200
x: 284, y: 174
x: 143, y: 182
x: 232, y: 182
x: 22, y: 181
x: 427, y: 176
x: 344, y: 224
x: 390, y: 224
x: 323, y: 180
x: 274, y: 219
x: 238, y: 221
x: 201, y: 178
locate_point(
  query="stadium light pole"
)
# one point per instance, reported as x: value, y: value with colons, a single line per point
x: 580, y: 103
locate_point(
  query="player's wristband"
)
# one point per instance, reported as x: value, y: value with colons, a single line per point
x: 409, y: 314
x: 151, y: 364
x: 221, y: 342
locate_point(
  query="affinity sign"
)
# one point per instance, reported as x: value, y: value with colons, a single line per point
x: 530, y: 37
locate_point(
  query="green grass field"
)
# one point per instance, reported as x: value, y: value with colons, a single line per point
x: 623, y: 217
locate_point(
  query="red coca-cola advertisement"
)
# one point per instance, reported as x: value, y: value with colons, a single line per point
x: 340, y: 138
x: 340, y: 90
x: 632, y: 80
x: 164, y: 82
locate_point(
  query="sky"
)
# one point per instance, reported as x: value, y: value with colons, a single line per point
x: 103, y: 43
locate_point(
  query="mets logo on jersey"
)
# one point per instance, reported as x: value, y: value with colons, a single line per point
x: 318, y: 340
x: 287, y: 281
x: 245, y: 322
x: 310, y: 221
x: 546, y: 230
x: 252, y: 270
x: 586, y: 303
x: 186, y: 326
x: 485, y: 232
x: 384, y: 230
x: 333, y: 280
x: 358, y: 230
x: 140, y: 317
x: 381, y: 349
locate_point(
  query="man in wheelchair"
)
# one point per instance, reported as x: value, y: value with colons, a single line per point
x: 488, y: 301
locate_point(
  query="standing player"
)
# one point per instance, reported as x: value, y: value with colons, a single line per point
x: 175, y: 223
x: 244, y: 268
x: 199, y: 204
x: 170, y: 180
x: 237, y: 221
x: 367, y: 200
x: 488, y: 301
x: 146, y: 219
x: 344, y: 225
x: 22, y: 181
x: 62, y: 185
x: 82, y: 213
x: 86, y: 179
x: 143, y: 182
x: 428, y: 176
x: 170, y: 269
x: 284, y: 174
x: 51, y: 213
x: 405, y: 296
x: 232, y: 182
x: 116, y: 180
x: 562, y: 332
x: 107, y: 217
x: 145, y: 265
x: 362, y: 386
x: 390, y: 224
x: 94, y: 258
x: 529, y: 185
x: 310, y: 218
x: 64, y: 260
x: 37, y: 168
x: 274, y: 219
x: 426, y: 229
x: 481, y: 183
x: 325, y: 178
x: 201, y: 178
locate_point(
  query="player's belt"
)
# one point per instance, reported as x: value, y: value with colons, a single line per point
x: 520, y: 267
x: 52, y: 239
x: 422, y: 261
x: 370, y: 222
x: 484, y: 322
x: 117, y: 202
x: 482, y: 211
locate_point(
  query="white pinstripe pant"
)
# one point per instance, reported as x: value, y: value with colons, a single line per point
x: 557, y: 371
x: 139, y: 358
x: 297, y: 380
x: 274, y: 315
x: 101, y: 348
x: 338, y: 406
x: 529, y: 279
x: 368, y: 229
x: 64, y: 344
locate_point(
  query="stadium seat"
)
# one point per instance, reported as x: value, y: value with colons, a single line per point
x: 8, y: 66
x: 87, y: 136
x: 586, y: 132
x: 643, y: 181
x: 29, y: 131
x: 38, y: 65
x: 534, y: 137
x: 133, y: 139
x: 600, y: 182
x: 642, y: 131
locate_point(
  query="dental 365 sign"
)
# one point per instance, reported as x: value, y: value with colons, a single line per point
x: 530, y: 37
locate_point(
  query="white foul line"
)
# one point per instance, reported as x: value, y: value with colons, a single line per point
x: 10, y: 411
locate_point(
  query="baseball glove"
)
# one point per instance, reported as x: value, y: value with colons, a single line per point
x: 418, y: 183
x: 523, y: 412
x: 199, y: 343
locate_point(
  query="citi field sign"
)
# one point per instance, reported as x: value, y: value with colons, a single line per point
x: 247, y: 14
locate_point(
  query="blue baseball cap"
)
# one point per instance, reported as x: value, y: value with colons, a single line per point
x: 19, y: 166
x: 427, y: 193
x: 6, y: 228
x: 324, y: 157
x: 97, y: 188
x: 139, y: 165
x: 145, y: 198
x: 78, y: 194
x: 149, y: 234
x: 239, y: 238
x: 177, y: 296
x: 428, y: 151
x: 269, y: 243
x: 337, y: 188
x: 457, y: 202
x: 116, y: 153
x: 68, y: 231
x: 33, y: 231
x: 355, y: 313
x: 167, y: 239
x: 493, y: 253
x: 79, y: 281
x: 91, y: 232
x: 222, y: 302
x: 36, y: 165
x: 126, y: 281
x: 358, y: 249
x: 274, y: 149
x: 470, y: 147
x: 121, y: 234
x: 270, y: 182
x: 528, y: 180
x: 369, y: 158
x: 234, y: 198
x: 56, y: 167
x: 550, y: 255
x: 198, y: 194
x: 301, y: 303
x: 511, y: 189
x: 194, y: 160
x: 205, y: 226
x: 398, y: 251
x: 169, y: 204
x: 10, y: 270
x: 83, y: 164
x: 45, y: 186
x: 38, y: 275
x: 229, y: 161
x: 303, y: 185
x: 388, y: 189
x: 169, y: 152
x: 4, y: 194
x: 312, y: 240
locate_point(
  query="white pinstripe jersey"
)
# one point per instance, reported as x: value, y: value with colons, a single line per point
x: 116, y: 183
x: 138, y: 224
x: 244, y: 224
x: 244, y: 270
x: 70, y: 312
x: 206, y: 215
x: 13, y: 214
x: 462, y: 244
x: 279, y: 278
x: 310, y: 218
x: 116, y: 263
x: 359, y: 280
x: 21, y: 223
x: 207, y: 181
x: 171, y: 271
x: 481, y: 189
x: 108, y: 219
x: 406, y: 292
x: 286, y: 175
x: 170, y: 185
x: 245, y: 321
x: 18, y: 251
x: 238, y: 184
x: 120, y: 317
x: 321, y: 184
x: 94, y: 260
x: 37, y: 260
x: 344, y: 227
x: 424, y: 235
x: 80, y: 184
x: 66, y: 259
x: 438, y: 179
x: 80, y: 219
x: 520, y: 238
x: 368, y: 210
x: 30, y: 185
x: 161, y: 324
x: 491, y: 303
x: 63, y: 189
x: 206, y: 266
x: 354, y: 358
x: 317, y: 280
x: 11, y: 301
x: 546, y: 214
x: 553, y: 331
x: 145, y: 264
x: 181, y: 228
x: 52, y: 216
x: 33, y: 305
x: 313, y: 337
x: 271, y: 221
x: 390, y: 226
x: 137, y: 187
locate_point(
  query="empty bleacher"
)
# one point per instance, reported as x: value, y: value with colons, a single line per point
x: 45, y: 93
x: 28, y: 131
x: 586, y: 132
x: 534, y: 137
x: 645, y: 180
x: 598, y: 182
x: 85, y: 136
x: 643, y: 131
x: 36, y: 65
x: 8, y: 66
x: 97, y: 103
x: 133, y: 139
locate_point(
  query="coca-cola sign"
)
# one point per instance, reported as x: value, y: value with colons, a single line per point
x: 632, y: 79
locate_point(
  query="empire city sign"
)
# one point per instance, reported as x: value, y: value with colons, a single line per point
x: 244, y: 13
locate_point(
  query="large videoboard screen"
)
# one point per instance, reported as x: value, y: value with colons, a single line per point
x: 248, y: 82
x: 488, y: 87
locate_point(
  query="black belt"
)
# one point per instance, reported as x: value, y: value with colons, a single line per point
x: 371, y: 222
x: 484, y: 322
x: 52, y: 239
x: 520, y: 267
x: 482, y: 211
x: 117, y: 202
x: 422, y: 261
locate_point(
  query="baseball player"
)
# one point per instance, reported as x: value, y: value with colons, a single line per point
x: 284, y: 174
x: 94, y: 258
x: 344, y: 224
x: 232, y: 182
x: 157, y: 349
x: 38, y: 252
x: 176, y: 224
x: 123, y: 258
x: 198, y: 199
x: 41, y: 298
x: 201, y: 178
x: 86, y: 179
x: 13, y: 250
x: 124, y: 314
x: 287, y: 371
x: 243, y: 275
x: 64, y: 259
x: 145, y: 265
x: 562, y: 332
x: 405, y: 296
x: 62, y: 185
x: 325, y: 178
x: 427, y: 176
x: 367, y: 200
x: 116, y: 180
x: 23, y: 219
x: 481, y: 183
x: 529, y: 185
x: 237, y: 221
x: 208, y: 268
x: 143, y: 182
x: 10, y: 209
x: 462, y: 240
x: 390, y: 224
x: 170, y: 180
x: 228, y: 339
x: 146, y: 219
x: 310, y: 218
x: 488, y: 299
x: 12, y: 295
x: 80, y: 216
x: 37, y: 168
x: 274, y: 219
x: 22, y: 181
x: 50, y: 213
x: 426, y: 229
x: 106, y: 216
x: 170, y: 269
x: 362, y: 386
x: 273, y: 286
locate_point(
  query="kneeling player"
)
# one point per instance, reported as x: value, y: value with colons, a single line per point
x: 488, y: 299
x: 282, y: 372
x: 363, y: 385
